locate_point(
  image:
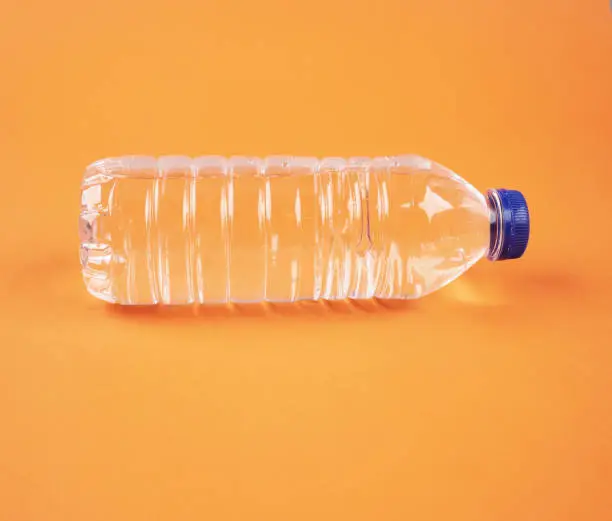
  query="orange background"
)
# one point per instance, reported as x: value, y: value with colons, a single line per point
x: 491, y: 400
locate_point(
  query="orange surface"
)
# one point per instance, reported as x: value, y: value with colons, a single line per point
x: 491, y: 400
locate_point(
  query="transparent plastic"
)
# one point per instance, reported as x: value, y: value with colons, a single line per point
x: 177, y: 230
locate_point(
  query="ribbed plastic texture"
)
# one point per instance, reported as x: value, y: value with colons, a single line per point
x: 516, y: 225
x: 178, y: 230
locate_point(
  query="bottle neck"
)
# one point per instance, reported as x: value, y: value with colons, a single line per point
x: 496, y: 240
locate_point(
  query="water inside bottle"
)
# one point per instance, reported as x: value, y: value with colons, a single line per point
x: 211, y: 230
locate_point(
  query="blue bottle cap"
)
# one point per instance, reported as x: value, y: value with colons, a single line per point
x: 510, y: 226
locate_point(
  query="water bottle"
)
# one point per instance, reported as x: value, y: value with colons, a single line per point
x: 176, y: 230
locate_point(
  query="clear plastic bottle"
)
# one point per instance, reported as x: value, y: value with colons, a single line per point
x: 177, y: 230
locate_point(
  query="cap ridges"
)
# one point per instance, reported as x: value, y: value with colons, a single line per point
x: 510, y: 231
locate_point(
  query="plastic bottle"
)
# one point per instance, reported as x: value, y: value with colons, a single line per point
x: 176, y: 230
